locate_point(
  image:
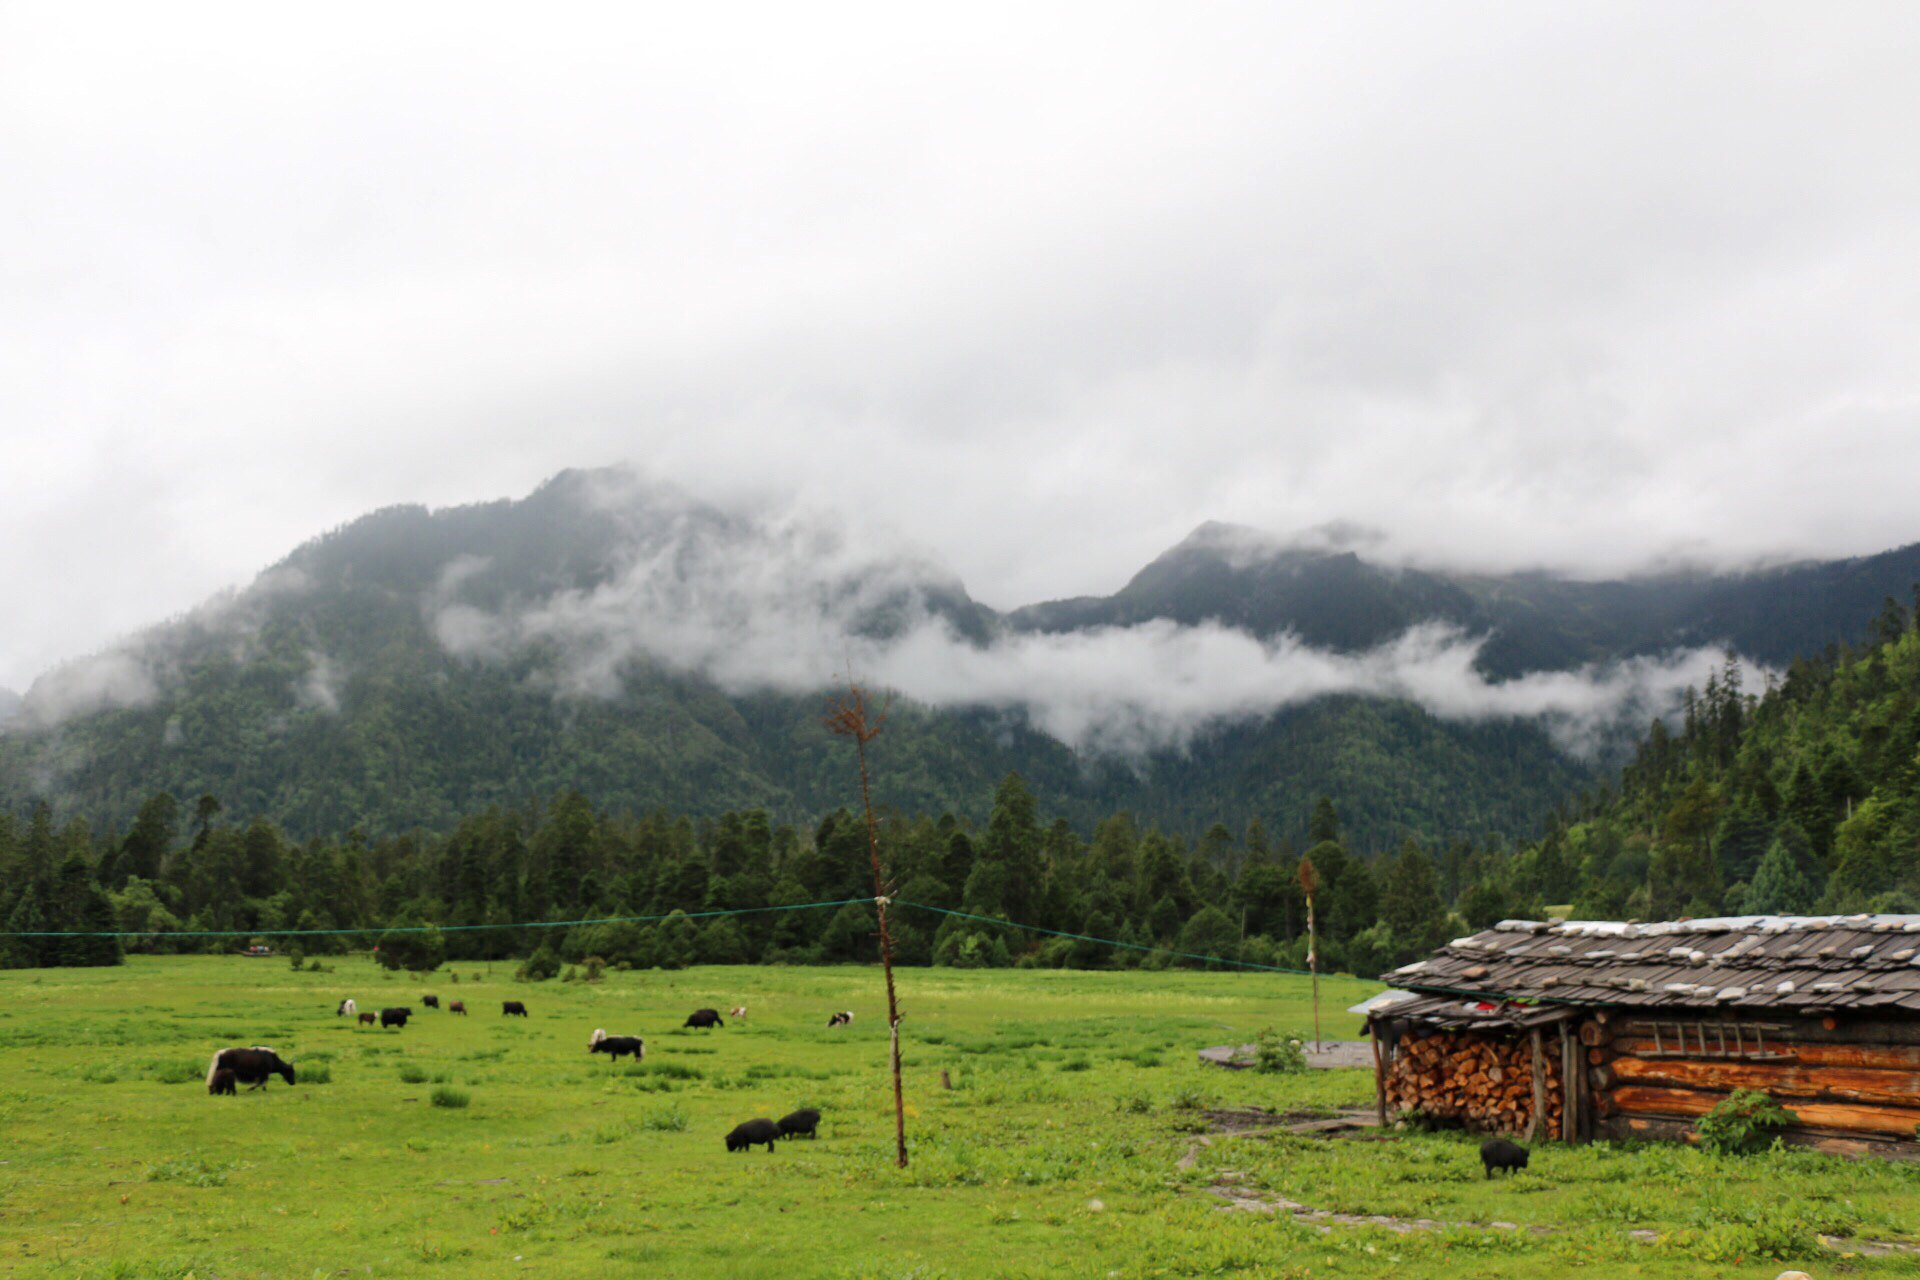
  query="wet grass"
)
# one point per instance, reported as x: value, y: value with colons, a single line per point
x: 1055, y: 1153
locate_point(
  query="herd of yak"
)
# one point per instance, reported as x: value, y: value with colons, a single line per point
x: 254, y: 1066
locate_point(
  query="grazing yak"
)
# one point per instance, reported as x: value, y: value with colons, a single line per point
x: 510, y: 1007
x: 347, y: 1007
x: 739, y: 1012
x: 840, y: 1020
x: 806, y: 1120
x: 367, y: 1019
x: 432, y: 1002
x: 617, y: 1047
x: 752, y: 1134
x: 394, y: 1017
x: 704, y: 1018
x: 222, y: 1081
x: 250, y: 1067
x: 1498, y: 1153
x: 458, y: 1006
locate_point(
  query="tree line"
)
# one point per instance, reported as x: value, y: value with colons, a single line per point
x: 178, y: 871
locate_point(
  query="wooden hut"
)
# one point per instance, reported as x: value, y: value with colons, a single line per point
x: 1582, y: 1029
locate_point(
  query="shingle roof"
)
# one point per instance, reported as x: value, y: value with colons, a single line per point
x: 1806, y: 964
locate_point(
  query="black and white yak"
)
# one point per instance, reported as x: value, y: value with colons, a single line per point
x: 617, y: 1047
x: 250, y: 1067
x: 347, y: 1009
x: 840, y: 1020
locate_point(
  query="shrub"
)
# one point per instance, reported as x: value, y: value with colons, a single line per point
x: 1276, y: 1053
x: 453, y: 1099
x: 1745, y: 1121
x: 593, y: 968
x: 311, y: 1072
x: 410, y: 1074
x: 666, y: 1120
x: 419, y: 952
x: 540, y: 966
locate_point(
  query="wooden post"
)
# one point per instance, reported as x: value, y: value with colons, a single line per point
x: 1539, y: 1125
x: 1309, y: 881
x: 1379, y: 1074
x: 1569, y: 1086
x: 849, y: 718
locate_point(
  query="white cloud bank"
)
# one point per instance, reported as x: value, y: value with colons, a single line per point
x: 791, y: 604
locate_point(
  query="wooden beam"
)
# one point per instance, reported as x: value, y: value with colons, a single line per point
x: 1782, y: 1080
x: 1539, y: 1057
x: 1379, y: 1074
x: 1887, y: 1057
x: 1849, y: 1118
x: 1569, y: 1085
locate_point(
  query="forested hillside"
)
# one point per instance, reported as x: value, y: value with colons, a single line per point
x: 619, y: 638
x: 1805, y: 798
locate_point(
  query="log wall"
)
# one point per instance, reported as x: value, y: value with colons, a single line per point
x: 1847, y: 1083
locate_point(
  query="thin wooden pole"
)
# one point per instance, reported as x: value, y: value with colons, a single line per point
x: 850, y: 719
x: 1569, y: 1087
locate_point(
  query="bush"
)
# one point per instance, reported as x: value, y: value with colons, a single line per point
x: 593, y: 969
x: 410, y: 1074
x: 1276, y: 1053
x: 453, y: 1099
x: 540, y: 966
x: 419, y: 952
x: 1746, y: 1121
x: 314, y: 1073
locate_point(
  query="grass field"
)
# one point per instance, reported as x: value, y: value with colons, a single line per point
x: 1057, y: 1152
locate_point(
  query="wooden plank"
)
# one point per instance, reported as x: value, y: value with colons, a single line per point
x: 1847, y: 1118
x: 1782, y: 1080
x: 1379, y: 1075
x: 1888, y: 1057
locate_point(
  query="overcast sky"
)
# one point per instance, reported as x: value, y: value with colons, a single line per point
x: 1595, y: 287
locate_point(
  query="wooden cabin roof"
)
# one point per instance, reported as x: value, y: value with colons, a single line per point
x: 1512, y: 973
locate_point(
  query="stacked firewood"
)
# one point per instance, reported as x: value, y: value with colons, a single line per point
x: 1483, y: 1082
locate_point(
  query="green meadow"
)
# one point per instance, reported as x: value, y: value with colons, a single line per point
x: 1075, y: 1139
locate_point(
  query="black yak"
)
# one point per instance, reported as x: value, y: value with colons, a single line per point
x: 458, y: 1006
x: 395, y: 1017
x: 250, y: 1067
x: 704, y: 1018
x: 617, y: 1047
x: 432, y: 1002
x: 806, y: 1120
x: 367, y: 1019
x: 511, y: 1007
x: 752, y: 1134
x: 1498, y: 1153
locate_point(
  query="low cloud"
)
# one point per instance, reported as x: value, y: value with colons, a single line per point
x: 116, y: 678
x: 792, y: 604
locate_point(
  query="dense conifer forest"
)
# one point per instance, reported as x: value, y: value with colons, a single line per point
x: 1804, y: 796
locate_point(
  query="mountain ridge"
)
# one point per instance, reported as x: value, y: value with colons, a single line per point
x: 619, y: 635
